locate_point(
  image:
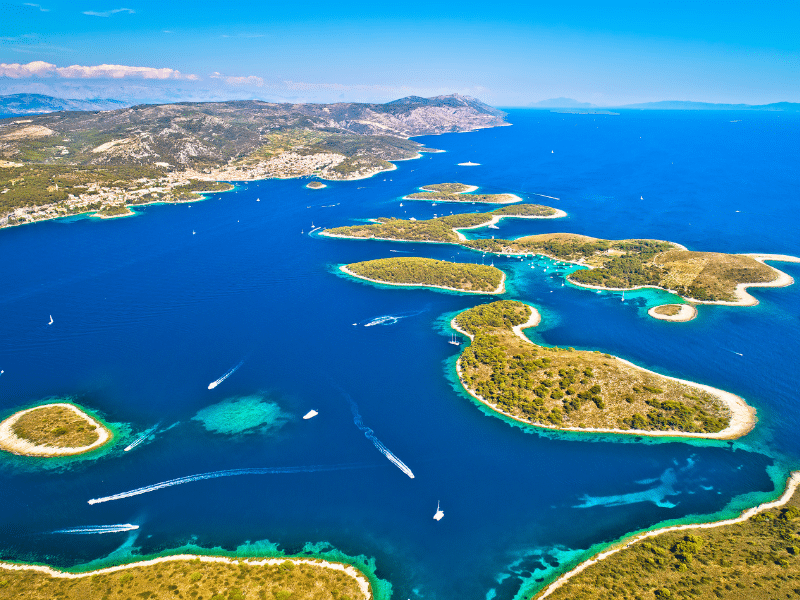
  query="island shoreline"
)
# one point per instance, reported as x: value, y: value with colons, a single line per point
x: 742, y: 416
x: 791, y: 486
x: 501, y: 289
x: 10, y: 442
x: 361, y: 579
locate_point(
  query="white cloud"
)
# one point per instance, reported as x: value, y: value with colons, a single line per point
x: 108, y: 13
x: 249, y: 80
x: 39, y: 6
x: 40, y: 68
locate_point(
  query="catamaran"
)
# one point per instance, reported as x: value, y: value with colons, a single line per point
x: 439, y: 513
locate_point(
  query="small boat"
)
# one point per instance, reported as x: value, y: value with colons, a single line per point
x: 258, y: 199
x: 623, y: 296
x: 310, y: 414
x: 439, y: 513
x: 193, y: 232
x: 401, y: 204
x: 641, y: 197
x: 454, y: 340
x: 302, y: 232
x: 51, y: 320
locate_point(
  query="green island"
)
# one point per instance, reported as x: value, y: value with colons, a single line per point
x: 412, y: 271
x: 753, y: 557
x: 583, y: 390
x: 57, y: 429
x: 188, y: 577
x: 613, y: 264
x: 439, y: 229
x: 68, y: 163
x: 459, y: 192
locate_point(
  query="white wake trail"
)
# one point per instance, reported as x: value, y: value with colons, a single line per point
x: 216, y: 474
x: 370, y: 435
x: 90, y: 529
x: 214, y: 384
x: 141, y: 438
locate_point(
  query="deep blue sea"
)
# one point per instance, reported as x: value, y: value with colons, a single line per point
x: 149, y: 310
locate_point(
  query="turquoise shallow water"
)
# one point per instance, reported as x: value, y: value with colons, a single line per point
x: 147, y: 315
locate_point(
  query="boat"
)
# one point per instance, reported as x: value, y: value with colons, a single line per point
x: 454, y: 340
x: 493, y: 226
x: 51, y: 320
x: 439, y: 513
x: 623, y: 295
x: 310, y: 414
x: 194, y: 232
x: 401, y: 204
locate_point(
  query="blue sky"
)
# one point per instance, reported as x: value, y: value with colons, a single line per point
x: 505, y: 53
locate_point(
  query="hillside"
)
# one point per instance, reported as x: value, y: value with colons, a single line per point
x: 168, y: 146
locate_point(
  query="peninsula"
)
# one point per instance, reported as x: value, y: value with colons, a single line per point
x: 441, y: 229
x: 58, y: 429
x: 580, y: 390
x: 426, y: 272
x: 190, y: 576
x: 754, y: 555
x: 67, y: 163
x: 459, y: 192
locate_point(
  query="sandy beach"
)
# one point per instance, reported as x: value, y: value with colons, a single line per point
x: 363, y: 583
x: 791, y: 486
x: 686, y: 312
x: 743, y: 416
x: 501, y: 289
x: 11, y: 443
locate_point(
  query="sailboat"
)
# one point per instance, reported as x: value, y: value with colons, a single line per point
x: 401, y: 204
x: 623, y: 296
x: 439, y: 513
x: 454, y: 340
x: 51, y: 320
x: 310, y: 414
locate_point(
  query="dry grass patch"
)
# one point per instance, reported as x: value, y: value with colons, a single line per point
x: 758, y: 559
x: 55, y: 426
x: 554, y: 387
x: 187, y: 580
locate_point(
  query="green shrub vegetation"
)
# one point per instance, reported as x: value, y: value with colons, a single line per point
x: 754, y: 560
x: 440, y: 229
x: 446, y: 188
x: 186, y: 580
x: 621, y: 264
x: 554, y: 387
x: 457, y: 192
x: 425, y: 271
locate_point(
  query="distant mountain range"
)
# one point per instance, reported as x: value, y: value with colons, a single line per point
x: 31, y: 104
x: 670, y: 105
